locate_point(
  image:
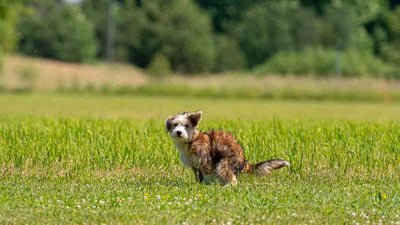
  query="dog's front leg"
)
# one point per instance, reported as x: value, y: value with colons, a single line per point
x: 208, y: 178
x: 198, y: 174
x: 206, y: 166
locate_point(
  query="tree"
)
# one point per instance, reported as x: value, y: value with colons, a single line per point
x: 391, y: 48
x: 176, y: 28
x: 306, y: 28
x: 364, y: 10
x: 226, y: 14
x: 159, y: 66
x: 318, y: 5
x: 394, y: 3
x: 341, y: 26
x: 7, y: 26
x: 265, y: 30
x: 277, y: 26
x: 229, y: 57
x: 96, y: 11
x: 57, y: 31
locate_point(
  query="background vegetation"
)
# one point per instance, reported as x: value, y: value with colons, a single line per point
x: 7, y: 28
x: 197, y: 36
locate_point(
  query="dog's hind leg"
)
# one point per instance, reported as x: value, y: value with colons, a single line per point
x: 225, y: 172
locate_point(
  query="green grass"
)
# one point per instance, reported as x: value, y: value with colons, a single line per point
x: 156, y: 197
x: 287, y: 92
x: 87, y: 159
x: 158, y: 108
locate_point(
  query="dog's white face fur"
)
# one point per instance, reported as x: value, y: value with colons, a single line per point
x: 182, y: 127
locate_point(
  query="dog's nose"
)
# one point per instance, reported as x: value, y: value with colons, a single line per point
x: 179, y: 133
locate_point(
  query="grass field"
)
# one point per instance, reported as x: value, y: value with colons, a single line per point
x: 107, y: 160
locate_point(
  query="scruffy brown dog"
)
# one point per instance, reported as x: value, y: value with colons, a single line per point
x: 214, y: 154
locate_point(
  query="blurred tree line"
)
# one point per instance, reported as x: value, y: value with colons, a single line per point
x: 7, y: 27
x: 194, y: 36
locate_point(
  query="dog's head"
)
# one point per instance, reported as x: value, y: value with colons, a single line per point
x: 183, y: 126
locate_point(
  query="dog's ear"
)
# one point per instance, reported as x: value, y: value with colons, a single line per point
x: 195, y: 118
x: 168, y: 124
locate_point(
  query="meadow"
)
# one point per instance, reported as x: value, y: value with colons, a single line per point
x: 24, y: 74
x: 107, y: 160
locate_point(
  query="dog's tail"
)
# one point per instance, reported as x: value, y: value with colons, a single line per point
x: 265, y: 168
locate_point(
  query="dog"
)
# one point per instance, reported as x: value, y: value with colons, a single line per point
x: 214, y: 154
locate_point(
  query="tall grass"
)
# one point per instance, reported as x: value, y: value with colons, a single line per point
x: 72, y: 146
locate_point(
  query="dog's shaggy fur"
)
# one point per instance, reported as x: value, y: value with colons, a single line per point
x: 214, y: 154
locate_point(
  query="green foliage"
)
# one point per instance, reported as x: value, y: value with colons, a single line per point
x: 177, y: 28
x: 266, y: 30
x: 393, y: 22
x: 159, y: 66
x: 283, y: 26
x: 362, y: 64
x: 306, y: 28
x: 321, y: 62
x: 188, y: 39
x: 393, y: 3
x: 354, y: 16
x: 391, y: 52
x: 8, y: 12
x: 137, y: 40
x: 97, y: 13
x: 226, y: 14
x: 391, y: 49
x: 341, y: 26
x: 229, y: 57
x: 8, y: 36
x: 365, y: 10
x: 191, y: 39
x: 1, y: 65
x: 58, y: 32
x: 318, y: 6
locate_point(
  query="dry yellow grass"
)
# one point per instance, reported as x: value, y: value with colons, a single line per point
x: 278, y: 81
x: 51, y: 74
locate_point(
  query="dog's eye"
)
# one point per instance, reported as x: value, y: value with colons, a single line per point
x: 186, y: 126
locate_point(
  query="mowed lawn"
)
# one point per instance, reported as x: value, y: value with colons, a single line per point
x: 70, y: 159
